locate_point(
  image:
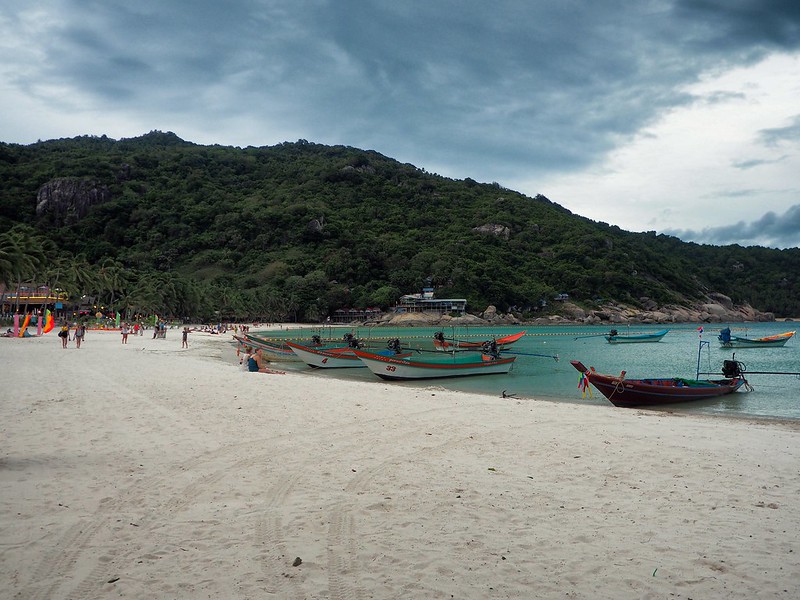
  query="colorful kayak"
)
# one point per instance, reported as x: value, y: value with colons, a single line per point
x: 435, y: 367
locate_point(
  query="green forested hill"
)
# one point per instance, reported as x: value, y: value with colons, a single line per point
x: 299, y: 229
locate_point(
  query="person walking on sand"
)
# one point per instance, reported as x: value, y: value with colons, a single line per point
x: 80, y: 331
x: 124, y: 332
x: 185, y: 338
x: 64, y: 335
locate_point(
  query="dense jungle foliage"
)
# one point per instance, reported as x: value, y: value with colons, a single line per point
x: 297, y: 230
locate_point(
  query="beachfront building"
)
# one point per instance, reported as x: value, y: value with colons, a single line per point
x: 425, y: 302
x: 31, y: 298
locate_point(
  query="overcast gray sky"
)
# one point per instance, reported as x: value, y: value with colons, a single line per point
x: 678, y: 116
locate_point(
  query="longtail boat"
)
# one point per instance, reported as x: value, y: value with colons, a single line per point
x: 442, y: 343
x: 656, y: 391
x: 614, y: 337
x: 437, y: 366
x: 276, y: 350
x: 342, y: 357
x: 272, y: 350
x: 727, y: 340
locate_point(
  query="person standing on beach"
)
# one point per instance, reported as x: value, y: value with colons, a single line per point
x: 185, y: 338
x: 80, y: 331
x: 124, y: 332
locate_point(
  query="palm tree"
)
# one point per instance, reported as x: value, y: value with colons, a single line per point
x: 112, y: 278
x: 80, y: 276
x: 21, y: 257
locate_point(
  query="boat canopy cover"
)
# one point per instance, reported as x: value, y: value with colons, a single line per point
x: 725, y: 335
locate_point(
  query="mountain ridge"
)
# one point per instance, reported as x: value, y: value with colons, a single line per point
x: 299, y: 229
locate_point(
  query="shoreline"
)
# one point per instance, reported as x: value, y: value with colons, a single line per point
x: 145, y: 470
x: 672, y: 409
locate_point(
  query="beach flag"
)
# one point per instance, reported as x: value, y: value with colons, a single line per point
x: 700, y: 331
x: 25, y: 325
x: 49, y: 321
x: 116, y: 320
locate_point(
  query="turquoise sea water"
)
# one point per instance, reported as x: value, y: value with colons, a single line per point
x: 676, y: 355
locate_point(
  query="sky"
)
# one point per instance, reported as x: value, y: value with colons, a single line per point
x: 675, y: 116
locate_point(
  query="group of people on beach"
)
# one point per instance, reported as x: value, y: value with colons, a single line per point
x: 67, y: 334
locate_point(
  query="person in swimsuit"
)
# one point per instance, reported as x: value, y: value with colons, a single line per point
x: 64, y: 335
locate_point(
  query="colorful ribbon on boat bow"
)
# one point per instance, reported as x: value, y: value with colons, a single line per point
x: 583, y: 385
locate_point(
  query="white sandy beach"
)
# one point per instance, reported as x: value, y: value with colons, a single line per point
x: 148, y: 471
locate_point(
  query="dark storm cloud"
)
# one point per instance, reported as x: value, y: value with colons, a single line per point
x: 488, y: 90
x: 773, y: 230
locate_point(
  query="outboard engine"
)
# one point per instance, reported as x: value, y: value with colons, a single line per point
x: 439, y: 336
x: 316, y: 340
x: 353, y: 342
x: 732, y: 369
x: 613, y: 333
x: 394, y: 345
x: 490, y: 347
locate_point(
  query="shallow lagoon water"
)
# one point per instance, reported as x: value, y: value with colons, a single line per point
x: 540, y: 377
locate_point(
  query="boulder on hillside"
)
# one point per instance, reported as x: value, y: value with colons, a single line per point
x: 721, y: 299
x: 490, y: 314
x: 493, y: 229
x: 414, y: 319
x: 66, y: 200
x: 467, y: 319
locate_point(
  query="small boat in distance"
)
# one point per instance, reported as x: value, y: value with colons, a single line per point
x: 614, y: 337
x: 437, y: 366
x: 442, y: 343
x: 727, y: 340
x: 656, y: 391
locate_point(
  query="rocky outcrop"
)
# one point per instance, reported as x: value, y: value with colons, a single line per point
x: 67, y: 200
x: 493, y: 229
x: 716, y: 308
x: 704, y: 312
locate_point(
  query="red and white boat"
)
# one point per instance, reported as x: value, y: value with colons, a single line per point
x: 442, y: 343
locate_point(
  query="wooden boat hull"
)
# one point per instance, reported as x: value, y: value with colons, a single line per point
x: 629, y: 393
x: 637, y: 338
x: 387, y: 367
x: 341, y: 357
x: 333, y: 358
x: 502, y: 342
x: 772, y: 341
x: 271, y: 351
